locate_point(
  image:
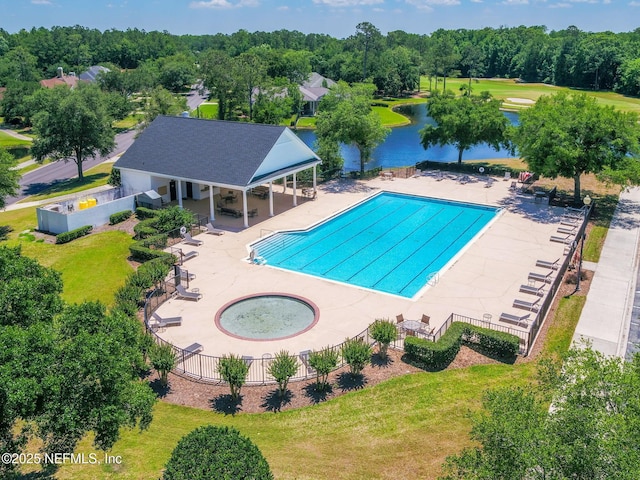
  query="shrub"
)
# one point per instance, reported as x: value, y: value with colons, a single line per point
x: 163, y: 360
x: 157, y: 241
x: 384, y: 332
x: 357, y: 354
x: 172, y: 218
x: 441, y: 353
x: 143, y: 213
x: 234, y: 371
x: 216, y: 453
x: 323, y: 362
x: 143, y: 254
x: 128, y: 298
x: 115, y: 179
x: 119, y: 217
x: 282, y: 368
x: 156, y: 270
x: 146, y: 228
x: 66, y: 237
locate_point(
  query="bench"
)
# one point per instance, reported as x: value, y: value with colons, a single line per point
x: 532, y: 289
x: 510, y: 318
x: 531, y: 306
x: 231, y: 212
x: 193, y: 349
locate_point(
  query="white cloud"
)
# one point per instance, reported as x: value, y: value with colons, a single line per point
x: 347, y: 3
x: 515, y: 2
x: 221, y: 4
x: 560, y: 5
x: 477, y: 1
x: 378, y: 9
x: 41, y: 2
x: 429, y: 4
x: 283, y: 8
x: 634, y: 4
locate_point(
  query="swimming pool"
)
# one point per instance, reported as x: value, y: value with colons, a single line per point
x: 392, y: 243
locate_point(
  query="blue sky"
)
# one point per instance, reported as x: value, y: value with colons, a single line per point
x: 337, y: 18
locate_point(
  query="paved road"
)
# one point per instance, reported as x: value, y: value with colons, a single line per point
x: 37, y: 180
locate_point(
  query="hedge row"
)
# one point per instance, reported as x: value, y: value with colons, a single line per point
x: 120, y: 217
x: 145, y: 228
x: 440, y: 354
x: 130, y: 297
x: 142, y: 254
x: 143, y: 213
x: 73, y: 234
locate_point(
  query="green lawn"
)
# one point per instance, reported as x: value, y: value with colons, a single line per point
x: 390, y: 118
x: 9, y: 141
x: 503, y: 88
x: 206, y: 110
x: 371, y: 433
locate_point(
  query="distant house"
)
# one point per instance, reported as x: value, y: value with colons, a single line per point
x: 60, y: 79
x: 181, y: 157
x: 313, y: 89
x: 91, y: 75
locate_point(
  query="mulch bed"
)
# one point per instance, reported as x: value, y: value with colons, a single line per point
x: 264, y: 398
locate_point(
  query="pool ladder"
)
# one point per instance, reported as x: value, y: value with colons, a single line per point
x: 433, y: 278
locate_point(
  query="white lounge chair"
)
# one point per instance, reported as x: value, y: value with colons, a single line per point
x: 567, y: 231
x: 552, y: 265
x: 541, y: 277
x: 185, y: 294
x: 189, y: 240
x: 557, y: 239
x: 510, y: 318
x: 531, y: 306
x: 213, y: 230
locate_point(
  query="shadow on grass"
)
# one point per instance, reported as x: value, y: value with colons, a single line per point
x: 348, y: 381
x: 45, y: 475
x: 273, y: 401
x: 318, y: 393
x: 226, y: 404
x: 64, y: 186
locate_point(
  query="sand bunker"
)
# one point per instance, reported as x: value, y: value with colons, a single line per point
x: 521, y: 101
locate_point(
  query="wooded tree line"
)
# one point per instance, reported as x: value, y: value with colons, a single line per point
x: 569, y: 57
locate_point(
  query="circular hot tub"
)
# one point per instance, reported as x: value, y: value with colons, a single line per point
x: 267, y: 316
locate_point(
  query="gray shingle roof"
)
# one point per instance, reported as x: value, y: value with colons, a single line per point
x: 211, y: 151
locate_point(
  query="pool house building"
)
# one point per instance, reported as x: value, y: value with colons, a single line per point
x: 188, y: 158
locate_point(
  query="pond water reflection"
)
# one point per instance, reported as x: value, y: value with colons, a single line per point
x: 402, y: 146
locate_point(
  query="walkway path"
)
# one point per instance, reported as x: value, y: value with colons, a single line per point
x: 606, y: 319
x: 16, y: 135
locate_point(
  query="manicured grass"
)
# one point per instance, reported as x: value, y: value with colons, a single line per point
x: 9, y: 141
x: 403, y: 428
x: 94, y: 177
x: 504, y: 88
x: 306, y: 122
x: 390, y: 118
x: 128, y: 122
x: 560, y: 333
x: 206, y: 110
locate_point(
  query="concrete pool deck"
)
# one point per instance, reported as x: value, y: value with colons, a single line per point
x: 485, y: 279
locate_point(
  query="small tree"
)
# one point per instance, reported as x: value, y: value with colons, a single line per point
x: 357, y: 354
x: 384, y: 332
x: 282, y: 368
x: 234, y: 371
x: 172, y: 218
x: 163, y: 359
x: 323, y: 362
x: 216, y: 453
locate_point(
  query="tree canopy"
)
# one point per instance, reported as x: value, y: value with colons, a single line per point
x: 345, y: 115
x: 71, y: 124
x: 465, y: 121
x: 64, y: 370
x: 570, y: 135
x: 8, y: 177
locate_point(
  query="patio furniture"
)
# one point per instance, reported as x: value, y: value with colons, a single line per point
x: 185, y: 294
x: 570, y: 222
x: 230, y: 198
x: 186, y: 275
x: 533, y: 290
x: 507, y: 175
x: 247, y: 359
x: 567, y: 231
x: 187, y: 256
x: 189, y: 240
x: 552, y: 265
x: 159, y: 322
x: 309, y: 193
x: 514, y: 186
x: 304, y: 357
x: 516, y: 319
x: 253, y: 212
x: 541, y: 277
x: 214, y: 231
x: 260, y: 191
x: 193, y: 349
x: 557, y: 239
x: 232, y: 212
x: 531, y: 306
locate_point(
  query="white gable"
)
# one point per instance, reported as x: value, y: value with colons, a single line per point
x: 288, y: 150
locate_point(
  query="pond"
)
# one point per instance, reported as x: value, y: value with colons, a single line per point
x: 402, y: 146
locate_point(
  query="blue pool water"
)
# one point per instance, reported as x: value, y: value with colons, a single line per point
x: 391, y: 242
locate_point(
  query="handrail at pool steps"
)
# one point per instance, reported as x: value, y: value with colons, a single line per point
x: 433, y: 278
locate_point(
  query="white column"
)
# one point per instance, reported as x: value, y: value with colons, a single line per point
x: 295, y: 196
x: 212, y: 209
x: 271, y: 199
x: 180, y: 193
x: 244, y: 208
x: 315, y: 180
